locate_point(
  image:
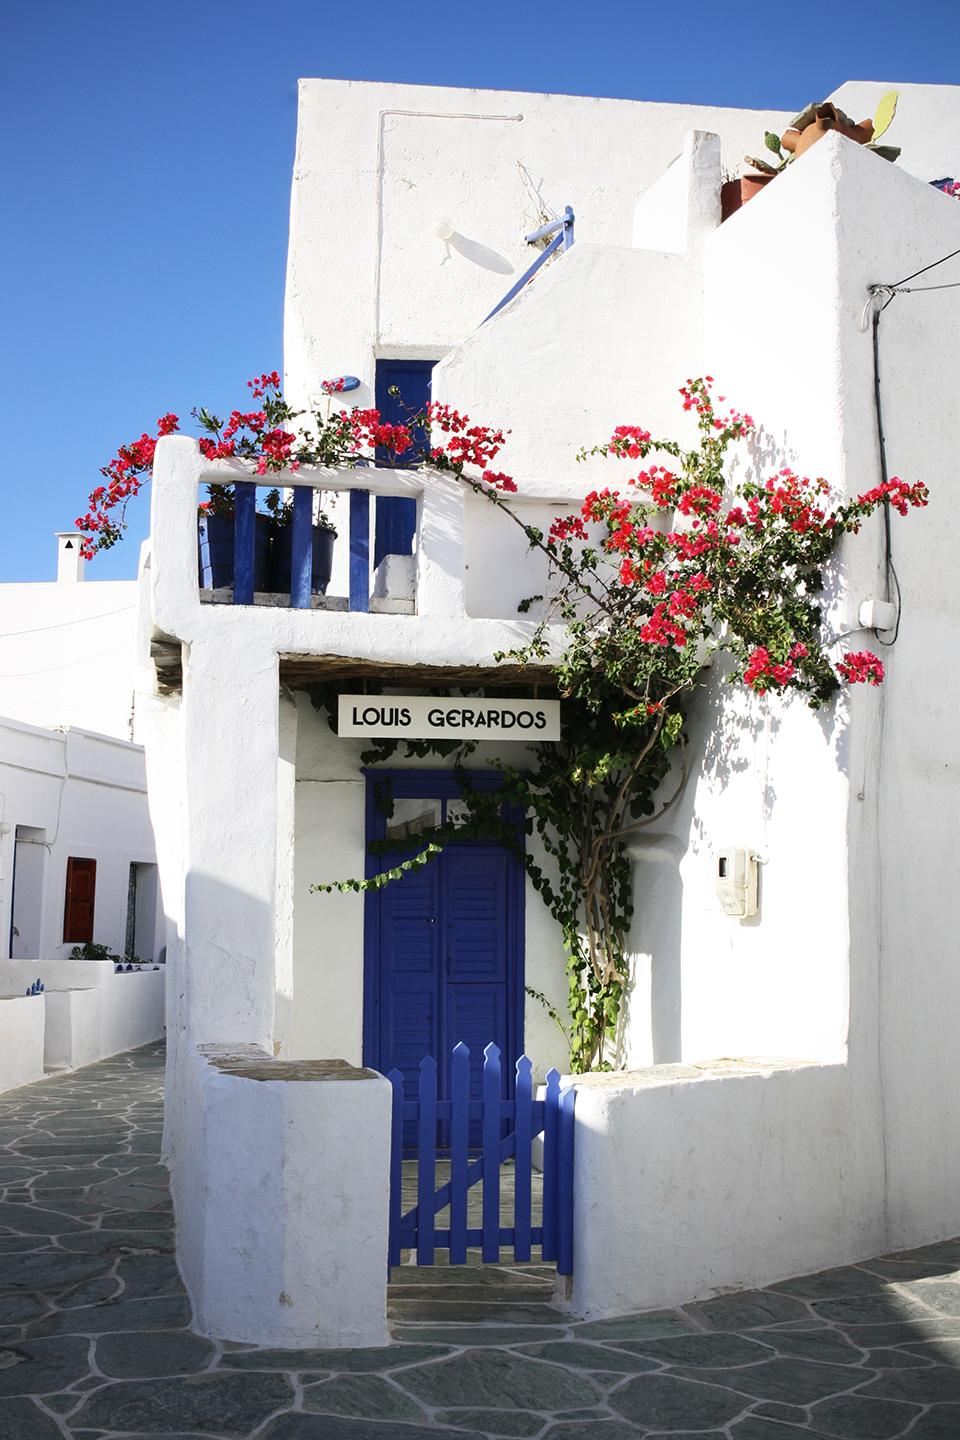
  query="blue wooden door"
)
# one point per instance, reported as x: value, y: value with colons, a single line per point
x: 474, y: 885
x: 396, y: 516
x: 443, y: 953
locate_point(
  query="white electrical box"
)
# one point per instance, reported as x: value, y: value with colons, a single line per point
x: 877, y: 615
x: 737, y: 881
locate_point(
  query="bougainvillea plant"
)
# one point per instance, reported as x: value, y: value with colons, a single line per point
x: 649, y: 580
x: 261, y: 437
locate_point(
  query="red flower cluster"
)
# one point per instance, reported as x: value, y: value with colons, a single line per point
x: 332, y: 387
x: 861, y: 667
x: 566, y: 526
x: 369, y: 429
x: 696, y: 396
x: 699, y: 500
x: 130, y: 462
x: 263, y: 383
x: 761, y: 670
x: 630, y: 442
x: 661, y: 484
x: 900, y: 495
x: 499, y: 481
x: 469, y: 444
x: 660, y: 629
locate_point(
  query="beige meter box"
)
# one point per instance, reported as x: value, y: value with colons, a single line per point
x: 737, y: 881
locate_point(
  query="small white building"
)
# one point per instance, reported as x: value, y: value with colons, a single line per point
x: 809, y: 1097
x: 78, y: 864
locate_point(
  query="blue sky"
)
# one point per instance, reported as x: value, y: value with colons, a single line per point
x: 145, y: 180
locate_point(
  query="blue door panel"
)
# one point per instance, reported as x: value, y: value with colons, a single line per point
x: 410, y: 934
x: 444, y: 953
x: 477, y: 1014
x: 475, y: 905
x: 395, y: 525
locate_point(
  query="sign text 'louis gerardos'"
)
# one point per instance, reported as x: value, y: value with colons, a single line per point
x: 424, y: 717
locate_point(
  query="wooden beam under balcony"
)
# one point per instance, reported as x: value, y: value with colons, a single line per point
x: 297, y: 671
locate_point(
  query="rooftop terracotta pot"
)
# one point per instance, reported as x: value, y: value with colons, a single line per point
x: 751, y: 185
x: 826, y: 118
x: 731, y: 198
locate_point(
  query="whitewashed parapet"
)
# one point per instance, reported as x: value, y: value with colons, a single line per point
x: 283, y: 1210
x: 21, y: 1040
x: 692, y: 1179
x: 683, y: 206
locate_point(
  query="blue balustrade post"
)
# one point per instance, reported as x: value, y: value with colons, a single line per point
x: 459, y: 1144
x: 567, y: 229
x: 396, y: 1169
x: 568, y: 1100
x: 491, y: 1155
x: 522, y: 1161
x: 551, y: 1158
x: 426, y: 1160
x: 301, y: 548
x: 360, y: 550
x: 244, y: 541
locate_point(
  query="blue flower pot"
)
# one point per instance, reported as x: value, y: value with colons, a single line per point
x: 281, y: 562
x: 215, y: 533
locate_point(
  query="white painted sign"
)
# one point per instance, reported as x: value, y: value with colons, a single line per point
x: 427, y: 717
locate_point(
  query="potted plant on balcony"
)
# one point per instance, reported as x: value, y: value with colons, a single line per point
x: 215, y: 535
x: 280, y: 520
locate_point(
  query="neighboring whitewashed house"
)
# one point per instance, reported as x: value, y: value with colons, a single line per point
x: 808, y: 1109
x: 77, y: 858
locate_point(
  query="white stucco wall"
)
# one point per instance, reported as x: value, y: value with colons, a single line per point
x: 377, y: 282
x: 67, y: 654
x: 21, y: 1039
x: 851, y: 958
x: 85, y: 795
x: 92, y: 1010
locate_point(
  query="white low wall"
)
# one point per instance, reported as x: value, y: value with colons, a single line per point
x: 133, y: 1010
x: 690, y: 1179
x: 72, y: 1036
x: 21, y: 1040
x: 92, y: 1011
x: 282, y: 1198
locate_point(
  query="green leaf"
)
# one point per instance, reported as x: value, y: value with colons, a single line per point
x: 885, y: 113
x: 886, y: 152
x: 772, y: 142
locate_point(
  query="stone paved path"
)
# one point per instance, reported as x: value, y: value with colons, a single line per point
x: 95, y: 1338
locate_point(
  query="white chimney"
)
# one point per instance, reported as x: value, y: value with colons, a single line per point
x: 70, y: 563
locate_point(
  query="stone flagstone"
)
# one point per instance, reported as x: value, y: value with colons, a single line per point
x: 95, y: 1337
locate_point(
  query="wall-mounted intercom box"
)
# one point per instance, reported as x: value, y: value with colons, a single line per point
x: 737, y: 881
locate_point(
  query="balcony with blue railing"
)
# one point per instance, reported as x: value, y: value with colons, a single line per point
x: 250, y: 559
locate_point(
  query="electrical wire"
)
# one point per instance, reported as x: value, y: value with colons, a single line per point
x: 891, y: 291
x: 81, y: 620
x: 887, y: 538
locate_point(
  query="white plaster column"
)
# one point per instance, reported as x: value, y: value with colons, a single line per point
x: 286, y: 826
x: 230, y: 749
x: 440, y: 548
x: 287, y: 1236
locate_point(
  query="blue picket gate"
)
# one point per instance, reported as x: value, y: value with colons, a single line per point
x: 525, y: 1118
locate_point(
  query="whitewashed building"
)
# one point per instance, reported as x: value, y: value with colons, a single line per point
x: 793, y: 1085
x: 78, y: 863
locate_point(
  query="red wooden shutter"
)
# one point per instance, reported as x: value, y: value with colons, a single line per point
x: 78, y: 906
